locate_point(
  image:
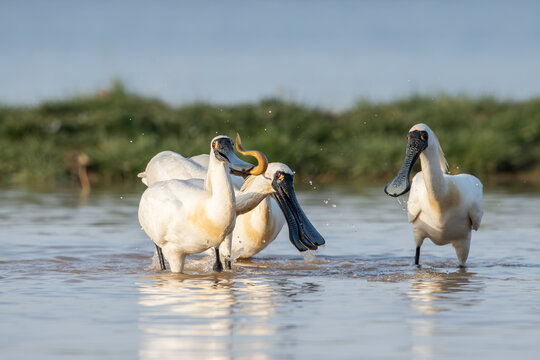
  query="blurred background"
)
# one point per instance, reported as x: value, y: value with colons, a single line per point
x: 328, y: 87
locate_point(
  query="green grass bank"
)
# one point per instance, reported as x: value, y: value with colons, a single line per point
x: 491, y: 138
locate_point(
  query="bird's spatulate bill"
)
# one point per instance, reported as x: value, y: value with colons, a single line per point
x: 401, y: 184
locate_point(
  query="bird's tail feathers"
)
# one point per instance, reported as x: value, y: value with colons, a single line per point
x: 142, y: 176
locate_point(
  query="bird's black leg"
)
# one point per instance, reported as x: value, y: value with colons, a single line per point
x: 228, y: 261
x: 218, y: 266
x: 160, y: 258
x: 417, y: 256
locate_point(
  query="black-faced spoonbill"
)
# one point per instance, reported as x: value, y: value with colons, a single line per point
x: 256, y: 227
x: 189, y: 216
x: 263, y: 204
x: 441, y: 207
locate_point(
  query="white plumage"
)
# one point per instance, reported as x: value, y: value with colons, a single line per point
x: 189, y: 215
x: 168, y: 165
x: 259, y: 217
x: 444, y: 208
x: 257, y: 226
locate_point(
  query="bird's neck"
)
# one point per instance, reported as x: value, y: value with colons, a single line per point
x: 250, y: 195
x: 218, y: 184
x: 265, y: 209
x: 436, y: 183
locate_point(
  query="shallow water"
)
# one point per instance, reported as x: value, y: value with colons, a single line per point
x: 74, y: 285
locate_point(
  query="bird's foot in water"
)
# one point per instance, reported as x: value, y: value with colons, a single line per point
x: 218, y: 266
x: 417, y: 257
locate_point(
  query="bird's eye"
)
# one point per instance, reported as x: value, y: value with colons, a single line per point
x: 214, y: 144
x: 276, y: 176
x: 423, y: 137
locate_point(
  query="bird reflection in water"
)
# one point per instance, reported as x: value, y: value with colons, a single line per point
x: 196, y: 317
x: 431, y: 293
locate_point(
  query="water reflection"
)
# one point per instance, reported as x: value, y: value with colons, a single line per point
x: 83, y: 268
x: 431, y: 293
x: 197, y: 317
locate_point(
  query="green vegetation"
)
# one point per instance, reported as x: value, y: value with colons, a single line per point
x: 120, y: 132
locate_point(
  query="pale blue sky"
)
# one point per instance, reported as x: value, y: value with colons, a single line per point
x: 326, y: 53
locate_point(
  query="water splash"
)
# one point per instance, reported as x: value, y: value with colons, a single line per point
x: 236, y: 254
x: 402, y: 204
x: 154, y: 265
x: 309, y: 257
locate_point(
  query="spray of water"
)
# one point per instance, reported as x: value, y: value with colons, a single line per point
x: 402, y: 204
x: 155, y: 263
x: 236, y: 255
x: 309, y: 257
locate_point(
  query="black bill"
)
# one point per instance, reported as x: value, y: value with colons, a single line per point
x: 224, y: 151
x: 418, y: 141
x: 302, y: 233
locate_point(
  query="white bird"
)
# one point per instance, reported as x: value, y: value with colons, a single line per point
x: 441, y: 207
x: 263, y: 203
x: 189, y: 216
x: 256, y: 227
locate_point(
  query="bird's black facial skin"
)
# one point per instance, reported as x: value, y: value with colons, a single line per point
x: 222, y: 147
x: 224, y: 151
x: 401, y: 184
x: 302, y: 233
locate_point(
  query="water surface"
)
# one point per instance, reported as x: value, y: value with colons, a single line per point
x: 74, y: 285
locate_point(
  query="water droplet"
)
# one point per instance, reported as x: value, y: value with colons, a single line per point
x: 310, y: 182
x: 334, y: 205
x: 402, y: 204
x: 131, y: 141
